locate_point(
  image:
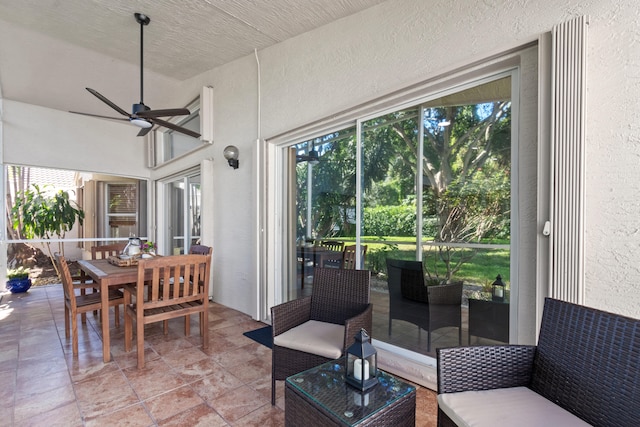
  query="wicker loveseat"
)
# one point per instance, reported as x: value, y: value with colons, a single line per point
x: 585, y: 370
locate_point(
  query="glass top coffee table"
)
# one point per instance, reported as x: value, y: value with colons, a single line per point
x: 320, y: 397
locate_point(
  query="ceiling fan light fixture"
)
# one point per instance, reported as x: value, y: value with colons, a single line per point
x: 141, y: 123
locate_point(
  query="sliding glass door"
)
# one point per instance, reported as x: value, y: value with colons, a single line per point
x: 182, y: 207
x: 424, y: 194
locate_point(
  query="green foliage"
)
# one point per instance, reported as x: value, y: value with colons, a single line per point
x: 18, y: 273
x: 36, y: 214
x: 377, y: 257
x: 39, y: 215
x: 389, y: 221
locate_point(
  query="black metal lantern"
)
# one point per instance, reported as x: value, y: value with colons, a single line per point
x: 361, y: 363
x: 497, y: 290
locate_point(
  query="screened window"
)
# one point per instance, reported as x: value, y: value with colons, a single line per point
x: 122, y: 210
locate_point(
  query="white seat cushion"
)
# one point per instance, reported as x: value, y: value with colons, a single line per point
x: 323, y: 339
x: 517, y: 406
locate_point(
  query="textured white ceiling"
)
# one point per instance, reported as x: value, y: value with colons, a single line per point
x: 185, y: 37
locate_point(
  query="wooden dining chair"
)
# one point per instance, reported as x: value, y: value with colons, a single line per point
x: 81, y: 304
x: 349, y: 256
x: 196, y: 250
x: 171, y: 294
x: 332, y: 245
x: 105, y: 251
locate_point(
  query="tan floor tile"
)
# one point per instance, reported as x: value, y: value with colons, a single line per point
x: 154, y: 379
x: 426, y: 408
x: 6, y: 415
x: 63, y: 416
x: 238, y: 403
x: 39, y: 402
x: 105, y: 393
x: 265, y: 416
x: 172, y: 403
x: 217, y: 384
x: 184, y: 357
x: 254, y: 369
x: 201, y: 415
x: 36, y: 385
x: 181, y: 384
x: 197, y: 370
x: 130, y: 359
x: 131, y: 416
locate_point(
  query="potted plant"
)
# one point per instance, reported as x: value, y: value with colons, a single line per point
x: 148, y: 249
x: 18, y: 280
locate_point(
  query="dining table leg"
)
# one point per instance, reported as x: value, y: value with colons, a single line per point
x: 104, y: 298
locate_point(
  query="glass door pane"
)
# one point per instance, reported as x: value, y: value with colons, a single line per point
x: 183, y: 208
x: 389, y: 167
x: 325, y: 177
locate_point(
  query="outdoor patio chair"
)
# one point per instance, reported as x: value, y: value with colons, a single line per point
x: 332, y: 245
x: 170, y: 294
x: 349, y: 256
x: 81, y: 304
x: 318, y: 328
x: 105, y: 251
x: 428, y: 307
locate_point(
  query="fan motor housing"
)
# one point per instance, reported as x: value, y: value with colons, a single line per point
x: 136, y: 108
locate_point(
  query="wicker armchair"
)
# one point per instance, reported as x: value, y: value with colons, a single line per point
x: 339, y: 302
x: 587, y: 362
x: 428, y: 307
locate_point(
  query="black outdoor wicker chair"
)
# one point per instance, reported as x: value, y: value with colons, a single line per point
x: 587, y: 362
x: 339, y: 303
x: 430, y: 308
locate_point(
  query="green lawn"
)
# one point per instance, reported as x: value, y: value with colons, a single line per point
x: 482, y: 269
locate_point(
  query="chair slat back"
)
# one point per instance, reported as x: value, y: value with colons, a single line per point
x: 105, y: 251
x: 333, y: 245
x: 349, y: 256
x: 172, y: 280
x: 339, y: 294
x: 67, y: 282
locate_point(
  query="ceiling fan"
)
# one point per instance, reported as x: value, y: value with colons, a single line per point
x: 141, y: 115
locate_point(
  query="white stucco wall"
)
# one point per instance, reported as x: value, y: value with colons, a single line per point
x: 38, y: 136
x: 391, y: 46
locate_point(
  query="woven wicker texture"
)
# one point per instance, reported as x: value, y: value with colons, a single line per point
x: 587, y: 361
x: 484, y: 367
x: 338, y: 296
x: 320, y: 397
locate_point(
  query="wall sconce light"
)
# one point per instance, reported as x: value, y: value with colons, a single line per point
x: 231, y: 154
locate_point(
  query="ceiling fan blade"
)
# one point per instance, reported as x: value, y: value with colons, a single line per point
x: 144, y: 131
x: 176, y: 128
x: 106, y: 101
x: 169, y: 112
x: 99, y: 116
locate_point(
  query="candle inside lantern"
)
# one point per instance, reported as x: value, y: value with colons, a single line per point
x: 357, y: 369
x: 499, y: 291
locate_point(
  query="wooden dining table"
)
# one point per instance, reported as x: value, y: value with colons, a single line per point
x: 106, y: 275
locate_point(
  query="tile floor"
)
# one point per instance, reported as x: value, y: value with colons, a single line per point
x: 182, y: 385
